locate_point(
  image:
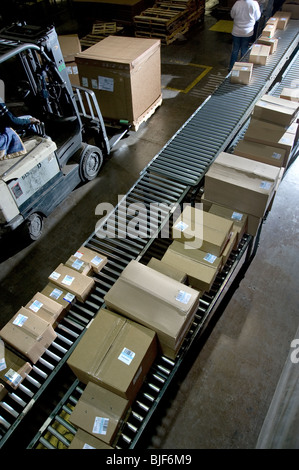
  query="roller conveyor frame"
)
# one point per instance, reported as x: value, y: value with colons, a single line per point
x: 151, y: 186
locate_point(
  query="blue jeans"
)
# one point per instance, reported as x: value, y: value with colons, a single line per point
x: 239, y: 44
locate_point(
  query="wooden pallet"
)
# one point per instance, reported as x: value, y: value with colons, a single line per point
x: 147, y: 114
x: 100, y: 30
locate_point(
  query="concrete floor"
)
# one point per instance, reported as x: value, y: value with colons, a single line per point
x: 225, y: 396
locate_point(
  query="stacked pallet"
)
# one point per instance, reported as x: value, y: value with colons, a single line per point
x: 100, y: 30
x: 168, y: 18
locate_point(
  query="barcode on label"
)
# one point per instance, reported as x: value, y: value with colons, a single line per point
x: 126, y: 356
x: 210, y: 258
x: 183, y: 297
x: 97, y: 260
x: 36, y: 305
x: 77, y: 264
x: 100, y: 425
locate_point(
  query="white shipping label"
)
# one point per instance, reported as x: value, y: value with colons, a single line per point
x: 181, y: 226
x: 69, y: 297
x: 183, y: 297
x: 237, y: 216
x: 94, y: 83
x: 13, y: 377
x: 77, y: 264
x: 2, y: 364
x: 85, y: 81
x: 126, y: 356
x: 20, y: 320
x: 78, y: 254
x: 100, y: 425
x: 210, y: 258
x: 106, y: 84
x: 97, y: 260
x: 67, y: 280
x: 87, y: 446
x: 36, y: 305
x: 276, y: 155
x: 265, y: 185
x: 235, y: 73
x: 56, y: 293
x: 54, y: 275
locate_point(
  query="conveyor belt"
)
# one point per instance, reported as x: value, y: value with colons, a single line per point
x: 187, y: 156
x: 152, y: 189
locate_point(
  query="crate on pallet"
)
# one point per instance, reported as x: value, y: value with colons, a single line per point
x: 168, y: 18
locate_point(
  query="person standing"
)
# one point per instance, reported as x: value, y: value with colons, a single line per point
x: 245, y: 14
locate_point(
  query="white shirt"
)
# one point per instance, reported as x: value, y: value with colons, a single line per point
x: 245, y: 13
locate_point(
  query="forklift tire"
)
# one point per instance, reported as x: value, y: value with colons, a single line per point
x: 33, y: 226
x: 90, y: 163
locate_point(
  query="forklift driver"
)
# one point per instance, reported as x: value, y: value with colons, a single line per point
x: 11, y: 144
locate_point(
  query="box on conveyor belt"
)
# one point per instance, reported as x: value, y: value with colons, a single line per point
x: 199, y: 229
x: 271, y: 42
x: 100, y: 412
x: 76, y: 283
x: 267, y: 133
x: 269, y: 30
x: 124, y: 73
x: 96, y: 260
x: 81, y: 266
x: 201, y: 267
x: 84, y: 440
x: 156, y: 301
x: 45, y: 307
x: 259, y: 54
x: 283, y: 19
x: 253, y: 222
x: 61, y: 296
x: 241, y: 183
x: 261, y: 153
x: 239, y: 219
x: 275, y: 110
x: 291, y: 6
x: 115, y: 352
x: 241, y: 72
x: 273, y: 20
x: 291, y: 94
x: 28, y: 334
x: 164, y: 268
x: 13, y: 369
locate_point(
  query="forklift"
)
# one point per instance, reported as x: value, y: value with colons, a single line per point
x: 69, y: 145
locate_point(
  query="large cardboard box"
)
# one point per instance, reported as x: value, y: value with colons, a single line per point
x: 239, y: 220
x: 201, y: 267
x: 61, y: 296
x: 291, y: 94
x: 200, y: 229
x: 156, y: 301
x: 100, y: 413
x: 96, y: 260
x: 28, y: 334
x: 241, y: 72
x: 70, y: 46
x: 115, y: 353
x: 124, y: 73
x: 85, y: 441
x: 259, y: 54
x: 275, y: 110
x: 241, y: 183
x: 13, y: 369
x: 261, y: 153
x: 291, y: 6
x: 76, y: 283
x: 283, y: 19
x: 45, y: 307
x: 171, y: 271
x: 271, y: 42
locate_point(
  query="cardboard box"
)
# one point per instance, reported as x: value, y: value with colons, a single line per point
x: 283, y: 19
x: 241, y: 183
x: 96, y: 260
x: 99, y: 412
x: 45, y: 307
x: 271, y: 42
x: 83, y: 440
x: 259, y: 54
x: 13, y: 369
x: 239, y: 219
x: 29, y: 334
x: 156, y: 301
x: 76, y: 283
x: 292, y: 7
x: 200, y: 229
x: 275, y: 110
x: 231, y: 245
x: 124, y: 73
x: 70, y: 46
x: 3, y: 392
x: 291, y: 94
x: 164, y: 268
x: 269, y: 30
x: 79, y: 265
x: 267, y: 133
x: 241, y: 72
x: 59, y: 295
x: 201, y: 267
x: 261, y: 153
x: 115, y: 353
x: 273, y: 20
